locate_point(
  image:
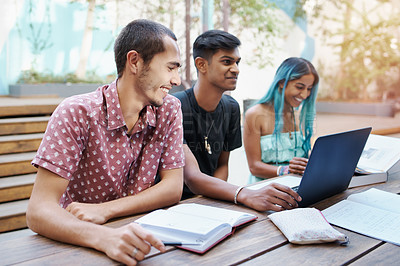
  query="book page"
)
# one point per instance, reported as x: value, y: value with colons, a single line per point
x: 234, y: 218
x: 194, y: 233
x: 182, y: 223
x: 379, y: 199
x: 379, y: 154
x: 366, y: 220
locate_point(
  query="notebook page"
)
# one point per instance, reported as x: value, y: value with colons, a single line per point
x: 379, y: 199
x: 366, y: 220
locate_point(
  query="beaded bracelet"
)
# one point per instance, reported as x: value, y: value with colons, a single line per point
x: 283, y: 170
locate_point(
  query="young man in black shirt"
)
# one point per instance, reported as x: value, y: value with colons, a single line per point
x: 211, y: 121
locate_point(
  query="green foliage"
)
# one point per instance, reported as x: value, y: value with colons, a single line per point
x: 368, y: 50
x: 39, y: 32
x: 258, y: 19
x: 35, y: 77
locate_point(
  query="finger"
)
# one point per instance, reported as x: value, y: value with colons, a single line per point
x: 297, y: 166
x: 282, y: 201
x: 285, y: 190
x: 135, y: 241
x: 148, y: 237
x: 137, y: 254
x: 276, y: 208
x: 126, y: 259
x: 74, y: 209
x: 299, y: 161
x: 132, y: 246
x: 71, y: 207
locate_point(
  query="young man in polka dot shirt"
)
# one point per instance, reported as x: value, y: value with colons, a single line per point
x: 211, y: 123
x: 102, y: 150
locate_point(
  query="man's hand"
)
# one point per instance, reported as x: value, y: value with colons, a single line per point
x: 273, y: 197
x: 297, y: 165
x: 129, y: 244
x: 94, y: 213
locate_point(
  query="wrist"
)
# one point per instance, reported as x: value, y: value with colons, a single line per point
x: 97, y: 237
x: 108, y: 210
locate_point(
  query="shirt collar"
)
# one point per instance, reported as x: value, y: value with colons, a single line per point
x: 114, y: 115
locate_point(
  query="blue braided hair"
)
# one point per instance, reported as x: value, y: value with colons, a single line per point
x: 291, y: 69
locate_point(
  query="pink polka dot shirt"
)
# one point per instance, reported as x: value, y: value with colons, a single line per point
x: 86, y: 142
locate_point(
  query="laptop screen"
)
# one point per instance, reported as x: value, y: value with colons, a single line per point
x: 331, y: 165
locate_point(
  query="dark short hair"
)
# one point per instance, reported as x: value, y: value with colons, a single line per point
x: 209, y: 42
x: 143, y: 36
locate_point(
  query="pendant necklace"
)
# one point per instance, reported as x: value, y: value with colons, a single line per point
x: 206, y: 144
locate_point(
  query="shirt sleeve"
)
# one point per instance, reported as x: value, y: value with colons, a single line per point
x: 233, y: 138
x: 64, y: 140
x: 173, y: 156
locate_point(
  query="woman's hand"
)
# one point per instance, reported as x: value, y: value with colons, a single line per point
x: 297, y: 165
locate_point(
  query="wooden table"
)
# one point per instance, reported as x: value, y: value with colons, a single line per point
x: 259, y: 243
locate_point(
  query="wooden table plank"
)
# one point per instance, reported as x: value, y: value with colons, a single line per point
x: 73, y: 256
x: 317, y: 254
x: 32, y: 247
x: 386, y: 254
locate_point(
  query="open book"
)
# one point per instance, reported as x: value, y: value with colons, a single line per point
x: 379, y: 160
x: 192, y: 226
x: 374, y: 213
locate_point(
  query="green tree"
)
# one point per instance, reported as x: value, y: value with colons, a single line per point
x: 39, y: 32
x: 257, y: 18
x: 368, y: 48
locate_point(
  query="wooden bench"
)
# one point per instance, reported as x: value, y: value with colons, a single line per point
x: 22, y: 124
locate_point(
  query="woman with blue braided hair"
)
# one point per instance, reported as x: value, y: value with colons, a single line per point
x: 278, y: 128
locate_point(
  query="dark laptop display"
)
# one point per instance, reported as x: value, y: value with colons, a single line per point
x: 331, y: 165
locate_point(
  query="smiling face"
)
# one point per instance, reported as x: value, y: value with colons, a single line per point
x: 223, y: 69
x: 298, y: 90
x: 158, y: 77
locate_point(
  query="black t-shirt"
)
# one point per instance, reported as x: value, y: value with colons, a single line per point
x: 221, y: 127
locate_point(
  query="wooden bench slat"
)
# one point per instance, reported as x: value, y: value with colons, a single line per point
x: 20, y: 137
x: 17, y: 164
x: 19, y: 157
x: 27, y: 106
x: 14, y: 208
x: 16, y: 193
x: 20, y: 143
x: 16, y: 187
x: 15, y: 181
x: 13, y: 223
x: 13, y: 215
x: 23, y: 125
